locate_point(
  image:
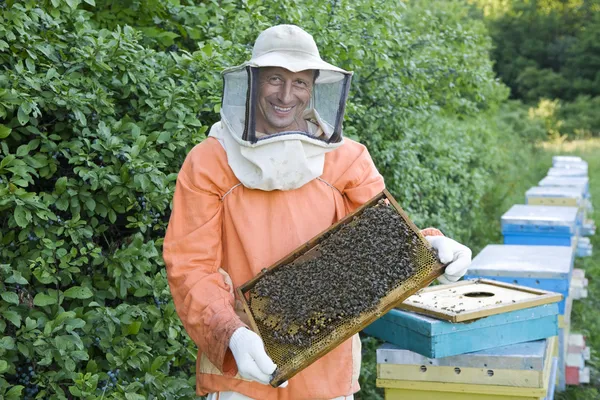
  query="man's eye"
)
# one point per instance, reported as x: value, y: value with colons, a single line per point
x: 275, y: 79
x: 301, y: 83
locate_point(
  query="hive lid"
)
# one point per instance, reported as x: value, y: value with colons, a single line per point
x: 583, y: 165
x: 546, y: 262
x: 522, y: 356
x: 555, y: 191
x: 522, y: 214
x: 575, y: 181
x: 558, y: 159
x: 567, y: 172
x: 476, y: 298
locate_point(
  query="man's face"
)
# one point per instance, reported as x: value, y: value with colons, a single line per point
x: 282, y: 98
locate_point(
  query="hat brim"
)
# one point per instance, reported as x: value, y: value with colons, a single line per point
x: 296, y: 62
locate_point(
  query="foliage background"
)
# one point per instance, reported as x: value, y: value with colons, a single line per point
x: 100, y: 101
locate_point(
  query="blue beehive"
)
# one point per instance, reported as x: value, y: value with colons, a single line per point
x: 435, y: 338
x: 540, y: 225
x: 541, y: 267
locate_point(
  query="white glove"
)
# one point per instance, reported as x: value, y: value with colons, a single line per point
x: 252, y: 360
x: 456, y: 255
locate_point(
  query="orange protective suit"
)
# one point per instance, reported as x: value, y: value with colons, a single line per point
x: 221, y: 234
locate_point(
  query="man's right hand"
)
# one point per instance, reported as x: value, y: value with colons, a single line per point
x: 252, y: 360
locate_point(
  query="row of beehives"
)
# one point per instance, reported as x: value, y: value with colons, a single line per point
x: 522, y: 353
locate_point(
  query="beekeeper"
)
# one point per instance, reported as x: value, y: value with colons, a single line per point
x: 275, y: 172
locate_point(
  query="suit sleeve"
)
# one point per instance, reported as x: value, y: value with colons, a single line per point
x: 361, y: 181
x: 193, y: 254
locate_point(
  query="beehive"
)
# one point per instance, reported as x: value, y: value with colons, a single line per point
x: 577, y: 182
x: 539, y: 225
x: 522, y: 365
x: 567, y: 172
x: 319, y: 296
x: 566, y: 159
x: 540, y: 267
x: 555, y: 196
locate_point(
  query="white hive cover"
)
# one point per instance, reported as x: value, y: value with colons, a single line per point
x: 523, y: 214
x: 571, y: 165
x: 575, y: 181
x: 523, y: 261
x: 554, y: 171
x: 575, y: 159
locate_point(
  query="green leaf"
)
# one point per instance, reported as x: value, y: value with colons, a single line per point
x: 73, y: 3
x: 78, y: 292
x: 22, y: 116
x: 75, y: 391
x: 157, y: 363
x: 3, y: 366
x: 14, y: 393
x: 90, y: 204
x: 4, y: 131
x: 21, y: 216
x: 10, y: 297
x: 61, y: 185
x: 16, y: 278
x: 7, y: 343
x: 44, y: 299
x: 134, y: 328
x: 23, y: 150
x: 62, y: 203
x: 80, y: 355
x: 13, y: 317
x: 91, y: 2
x: 24, y: 349
x: 112, y: 216
x: 134, y: 396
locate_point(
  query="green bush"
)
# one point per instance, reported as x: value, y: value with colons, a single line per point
x: 545, y: 48
x: 581, y: 117
x: 96, y: 118
x: 94, y: 128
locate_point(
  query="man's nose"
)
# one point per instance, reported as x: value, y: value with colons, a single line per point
x: 285, y: 92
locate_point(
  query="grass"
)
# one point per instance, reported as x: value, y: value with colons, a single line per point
x: 510, y: 189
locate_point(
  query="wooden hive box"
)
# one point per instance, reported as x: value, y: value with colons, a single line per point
x: 435, y: 338
x: 541, y: 267
x: 418, y: 390
x: 294, y: 346
x: 525, y: 365
x: 555, y: 196
x: 540, y: 225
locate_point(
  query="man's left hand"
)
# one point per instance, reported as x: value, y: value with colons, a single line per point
x: 456, y: 255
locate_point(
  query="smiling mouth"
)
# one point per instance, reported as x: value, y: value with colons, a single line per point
x: 281, y: 110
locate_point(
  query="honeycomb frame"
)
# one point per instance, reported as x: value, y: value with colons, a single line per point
x: 291, y: 359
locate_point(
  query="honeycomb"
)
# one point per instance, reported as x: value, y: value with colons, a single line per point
x: 340, y: 282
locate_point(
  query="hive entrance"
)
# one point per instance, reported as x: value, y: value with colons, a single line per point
x: 479, y: 294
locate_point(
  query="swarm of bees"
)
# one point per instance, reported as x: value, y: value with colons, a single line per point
x: 358, y: 265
